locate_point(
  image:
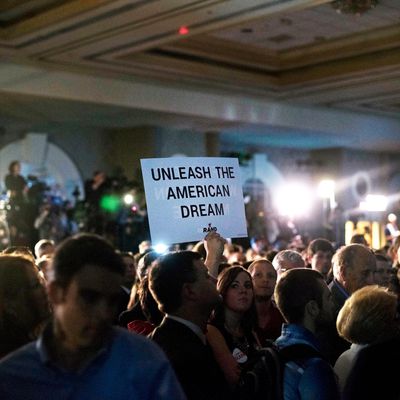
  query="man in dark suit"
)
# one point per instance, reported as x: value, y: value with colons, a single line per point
x: 354, y: 267
x: 187, y: 294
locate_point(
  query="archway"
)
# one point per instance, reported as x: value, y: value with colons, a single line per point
x: 52, y: 178
x: 45, y: 161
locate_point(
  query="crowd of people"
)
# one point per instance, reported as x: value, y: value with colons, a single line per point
x: 33, y: 210
x: 82, y: 318
x: 86, y: 320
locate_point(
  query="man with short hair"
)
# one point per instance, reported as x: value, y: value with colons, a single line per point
x: 354, y: 267
x: 269, y: 318
x: 305, y: 301
x: 319, y: 256
x: 44, y: 247
x: 186, y: 293
x: 287, y: 259
x: 79, y: 354
x: 359, y: 238
x: 384, y: 271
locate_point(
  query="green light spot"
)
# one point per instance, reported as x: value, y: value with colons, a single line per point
x: 110, y: 203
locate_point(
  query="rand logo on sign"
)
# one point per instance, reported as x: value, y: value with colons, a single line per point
x: 187, y: 197
x: 210, y: 228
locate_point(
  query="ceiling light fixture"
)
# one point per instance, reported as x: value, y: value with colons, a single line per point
x: 356, y: 7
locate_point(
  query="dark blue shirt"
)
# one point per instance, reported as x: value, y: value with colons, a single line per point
x: 129, y: 366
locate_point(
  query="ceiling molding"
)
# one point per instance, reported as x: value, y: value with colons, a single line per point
x: 298, y: 52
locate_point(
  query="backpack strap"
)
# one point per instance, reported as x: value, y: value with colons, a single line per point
x: 299, y: 351
x: 262, y: 379
x: 299, y: 354
x: 277, y: 380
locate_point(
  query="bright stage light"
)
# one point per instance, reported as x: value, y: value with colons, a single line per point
x: 326, y: 188
x: 128, y: 199
x: 160, y: 248
x: 374, y: 202
x: 294, y: 200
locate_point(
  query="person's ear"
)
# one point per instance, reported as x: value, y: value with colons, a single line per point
x: 55, y: 292
x: 312, y: 308
x: 188, y: 291
x: 10, y: 307
x: 342, y: 272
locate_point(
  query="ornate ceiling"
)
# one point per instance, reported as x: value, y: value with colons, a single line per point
x: 298, y: 52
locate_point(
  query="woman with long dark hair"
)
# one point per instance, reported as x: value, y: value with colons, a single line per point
x: 24, y: 306
x: 230, y: 332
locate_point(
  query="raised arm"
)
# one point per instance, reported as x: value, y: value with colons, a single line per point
x: 214, y: 245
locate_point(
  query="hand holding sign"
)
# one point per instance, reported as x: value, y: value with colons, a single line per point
x: 214, y: 245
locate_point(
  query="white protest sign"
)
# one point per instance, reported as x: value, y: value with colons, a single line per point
x: 190, y: 196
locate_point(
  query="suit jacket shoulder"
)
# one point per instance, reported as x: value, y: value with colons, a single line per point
x: 337, y: 296
x: 192, y: 360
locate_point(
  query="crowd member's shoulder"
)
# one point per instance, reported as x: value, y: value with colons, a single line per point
x: 21, y: 359
x: 135, y: 343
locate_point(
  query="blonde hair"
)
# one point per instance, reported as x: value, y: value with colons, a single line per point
x: 368, y: 316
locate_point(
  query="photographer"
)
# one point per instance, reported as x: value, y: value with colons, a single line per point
x: 52, y: 222
x: 95, y: 189
x: 17, y: 188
